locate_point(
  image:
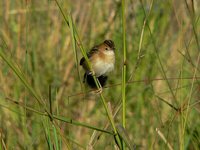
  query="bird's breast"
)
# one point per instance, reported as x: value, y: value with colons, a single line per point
x: 103, y: 64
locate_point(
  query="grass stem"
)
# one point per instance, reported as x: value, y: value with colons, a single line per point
x: 124, y: 68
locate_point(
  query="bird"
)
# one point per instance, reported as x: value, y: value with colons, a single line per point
x: 102, y: 60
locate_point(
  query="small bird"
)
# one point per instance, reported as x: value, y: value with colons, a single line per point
x: 102, y: 60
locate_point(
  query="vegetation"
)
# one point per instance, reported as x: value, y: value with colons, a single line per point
x: 151, y: 100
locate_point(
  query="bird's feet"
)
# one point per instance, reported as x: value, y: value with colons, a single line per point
x: 99, y: 91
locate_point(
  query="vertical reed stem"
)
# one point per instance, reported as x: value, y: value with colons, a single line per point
x: 124, y: 69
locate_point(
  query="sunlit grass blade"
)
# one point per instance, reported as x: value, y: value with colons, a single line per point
x: 56, y: 137
x: 71, y: 26
x: 47, y: 136
x: 124, y: 69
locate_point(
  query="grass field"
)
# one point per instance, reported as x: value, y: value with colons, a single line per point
x: 151, y: 100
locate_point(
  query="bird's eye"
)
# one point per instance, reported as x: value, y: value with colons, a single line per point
x: 106, y: 48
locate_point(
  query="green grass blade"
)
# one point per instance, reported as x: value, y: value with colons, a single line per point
x: 56, y: 138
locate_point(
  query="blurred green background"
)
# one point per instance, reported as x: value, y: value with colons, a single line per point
x: 162, y: 97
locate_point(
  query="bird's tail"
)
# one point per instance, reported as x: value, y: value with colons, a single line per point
x: 90, y: 81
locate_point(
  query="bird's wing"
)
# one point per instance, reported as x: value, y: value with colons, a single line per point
x: 92, y: 51
x: 82, y: 61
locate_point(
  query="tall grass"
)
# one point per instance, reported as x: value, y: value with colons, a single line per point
x: 151, y: 100
x: 124, y: 67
